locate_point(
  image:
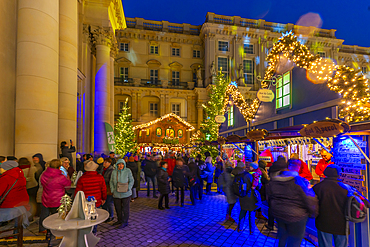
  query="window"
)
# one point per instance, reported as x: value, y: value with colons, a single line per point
x: 321, y: 53
x: 121, y: 105
x: 175, y: 77
x: 154, y: 75
x: 153, y: 109
x: 176, y: 109
x: 248, y: 67
x: 248, y: 49
x: 175, y: 52
x: 230, y: 116
x: 283, y: 91
x: 154, y: 49
x: 196, y: 53
x: 123, y: 73
x: 222, y: 65
x: 223, y: 45
x: 364, y: 70
x: 123, y: 46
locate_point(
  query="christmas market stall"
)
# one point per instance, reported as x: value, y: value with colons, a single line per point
x: 169, y: 132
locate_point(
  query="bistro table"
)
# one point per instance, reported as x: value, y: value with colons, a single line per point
x: 75, y: 232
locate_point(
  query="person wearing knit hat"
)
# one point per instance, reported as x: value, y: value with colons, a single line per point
x: 92, y: 184
x: 17, y: 196
x: 121, y: 198
x: 331, y: 220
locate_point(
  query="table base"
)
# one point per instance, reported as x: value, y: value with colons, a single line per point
x: 77, y: 237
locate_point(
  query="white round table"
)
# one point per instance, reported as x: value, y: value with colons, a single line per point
x: 75, y: 232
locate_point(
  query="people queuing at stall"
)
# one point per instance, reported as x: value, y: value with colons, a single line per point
x: 115, y: 183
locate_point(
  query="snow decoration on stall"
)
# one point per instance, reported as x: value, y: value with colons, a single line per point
x: 350, y: 83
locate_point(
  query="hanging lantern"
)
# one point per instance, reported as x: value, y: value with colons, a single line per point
x: 320, y: 71
x: 284, y: 64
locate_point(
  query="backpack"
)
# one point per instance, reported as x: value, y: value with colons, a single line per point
x: 356, y: 206
x: 239, y: 186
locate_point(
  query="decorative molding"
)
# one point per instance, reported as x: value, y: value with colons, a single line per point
x: 102, y: 36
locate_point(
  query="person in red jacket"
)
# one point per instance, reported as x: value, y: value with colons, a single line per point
x: 304, y: 172
x: 323, y: 163
x: 92, y: 184
x: 171, y: 161
x: 17, y: 196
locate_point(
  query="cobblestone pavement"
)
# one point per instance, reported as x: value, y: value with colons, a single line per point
x: 200, y: 225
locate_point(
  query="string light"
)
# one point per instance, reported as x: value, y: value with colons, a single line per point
x: 146, y: 125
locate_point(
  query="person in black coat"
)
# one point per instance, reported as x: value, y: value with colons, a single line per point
x: 248, y: 202
x: 150, y: 170
x: 179, y: 177
x: 67, y: 151
x: 200, y: 163
x: 291, y: 202
x: 163, y: 185
x: 132, y: 165
x: 331, y: 221
x: 193, y: 179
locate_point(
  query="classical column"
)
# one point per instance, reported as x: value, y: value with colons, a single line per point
x: 200, y: 113
x: 134, y: 107
x: 36, y: 125
x: 67, y: 101
x: 102, y: 40
x: 162, y: 105
x: 8, y: 39
x: 138, y: 107
x: 112, y: 91
x: 189, y: 102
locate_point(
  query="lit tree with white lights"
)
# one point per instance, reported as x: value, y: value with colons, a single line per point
x: 124, y: 133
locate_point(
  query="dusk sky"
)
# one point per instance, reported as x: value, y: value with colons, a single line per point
x: 349, y: 18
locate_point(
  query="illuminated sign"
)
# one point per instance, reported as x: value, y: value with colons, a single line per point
x: 265, y: 95
x: 325, y: 128
x: 257, y: 134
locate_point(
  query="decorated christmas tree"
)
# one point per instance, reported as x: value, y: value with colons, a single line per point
x: 65, y: 206
x: 124, y: 133
x: 215, y: 106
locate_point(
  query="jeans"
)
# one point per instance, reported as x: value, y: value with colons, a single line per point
x: 95, y: 228
x: 45, y: 212
x: 290, y: 234
x: 230, y: 208
x: 160, y: 201
x: 200, y: 188
x: 208, y: 187
x: 122, y: 205
x: 251, y: 219
x: 326, y: 239
x: 108, y: 205
x: 182, y: 194
x: 148, y: 179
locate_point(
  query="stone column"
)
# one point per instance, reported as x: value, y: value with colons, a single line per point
x: 162, y: 105
x: 67, y: 97
x: 102, y: 40
x: 36, y: 125
x: 138, y: 107
x: 8, y: 40
x: 200, y: 113
x: 112, y: 90
x: 134, y: 108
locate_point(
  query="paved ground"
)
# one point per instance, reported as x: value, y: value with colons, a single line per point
x: 200, y: 225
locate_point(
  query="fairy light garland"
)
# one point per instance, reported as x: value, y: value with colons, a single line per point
x: 146, y: 125
x: 352, y: 85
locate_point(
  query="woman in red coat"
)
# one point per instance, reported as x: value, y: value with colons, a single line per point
x: 17, y: 196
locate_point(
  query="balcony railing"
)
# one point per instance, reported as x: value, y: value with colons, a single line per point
x: 150, y: 83
x: 177, y: 85
x: 121, y: 81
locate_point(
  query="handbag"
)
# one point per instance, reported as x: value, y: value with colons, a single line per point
x: 3, y: 198
x: 121, y: 187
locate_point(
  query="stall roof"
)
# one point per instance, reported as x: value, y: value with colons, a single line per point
x: 146, y: 125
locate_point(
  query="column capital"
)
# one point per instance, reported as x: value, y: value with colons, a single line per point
x: 102, y: 35
x: 114, y: 48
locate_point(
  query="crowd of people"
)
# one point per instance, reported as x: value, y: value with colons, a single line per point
x: 114, y: 182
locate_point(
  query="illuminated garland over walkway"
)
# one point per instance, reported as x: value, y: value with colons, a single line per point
x: 352, y: 85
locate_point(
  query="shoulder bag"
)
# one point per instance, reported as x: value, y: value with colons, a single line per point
x: 3, y: 198
x: 121, y: 187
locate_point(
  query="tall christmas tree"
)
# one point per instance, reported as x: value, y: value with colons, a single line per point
x: 209, y: 128
x: 124, y: 133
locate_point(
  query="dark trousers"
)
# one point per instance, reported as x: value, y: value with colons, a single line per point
x: 193, y: 191
x: 326, y: 239
x: 171, y: 182
x: 230, y: 208
x: 219, y: 190
x: 160, y: 201
x: 45, y: 212
x: 122, y: 205
x: 32, y: 192
x: 251, y: 218
x: 291, y: 233
x: 108, y: 205
x: 200, y: 188
x: 182, y: 194
x: 208, y: 188
x: 148, y: 179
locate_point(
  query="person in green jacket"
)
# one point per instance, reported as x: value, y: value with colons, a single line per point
x: 121, y: 199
